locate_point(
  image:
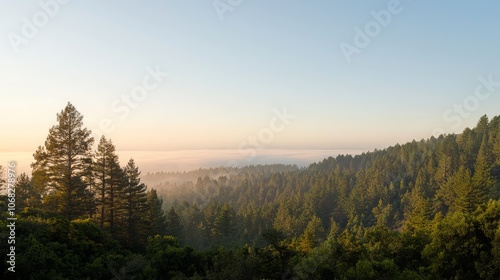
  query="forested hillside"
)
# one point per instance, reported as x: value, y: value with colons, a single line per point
x: 402, y: 188
x: 423, y: 210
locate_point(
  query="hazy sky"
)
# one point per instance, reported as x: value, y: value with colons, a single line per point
x: 354, y: 74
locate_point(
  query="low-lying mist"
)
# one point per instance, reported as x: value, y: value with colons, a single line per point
x: 187, y: 160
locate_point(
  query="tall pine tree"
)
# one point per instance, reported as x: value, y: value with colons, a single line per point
x: 482, y: 180
x: 467, y: 196
x: 62, y: 165
x: 313, y: 235
x: 134, y: 206
x: 25, y: 194
x: 108, y: 179
x: 496, y: 148
x: 419, y: 211
x: 174, y: 223
x: 155, y: 214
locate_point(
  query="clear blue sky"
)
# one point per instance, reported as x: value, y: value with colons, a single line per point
x: 227, y: 76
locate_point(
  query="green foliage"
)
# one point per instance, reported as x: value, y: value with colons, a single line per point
x: 133, y: 205
x: 456, y: 246
x: 56, y: 248
x: 174, y: 223
x: 313, y: 235
x: 83, y: 214
x: 167, y: 260
x: 419, y: 212
x: 382, y: 214
x: 25, y: 192
x: 154, y: 214
x: 109, y: 184
x: 223, y: 227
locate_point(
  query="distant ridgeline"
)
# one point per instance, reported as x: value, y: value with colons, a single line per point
x: 422, y: 210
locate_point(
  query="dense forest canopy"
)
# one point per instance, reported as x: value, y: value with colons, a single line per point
x: 426, y: 209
